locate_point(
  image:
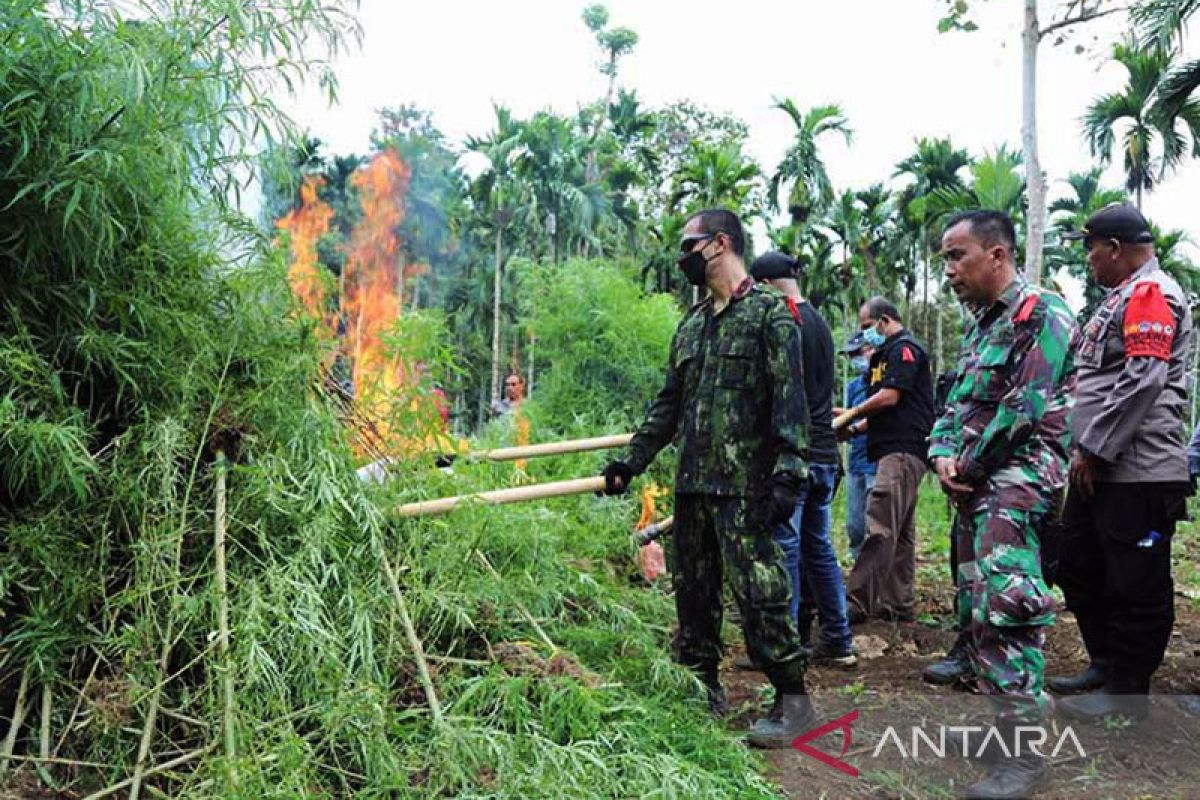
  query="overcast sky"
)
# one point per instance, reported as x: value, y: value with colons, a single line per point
x: 883, y: 61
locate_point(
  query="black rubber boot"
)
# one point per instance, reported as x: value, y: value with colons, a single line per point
x: 1091, y: 679
x: 955, y: 667
x: 1012, y: 775
x: 718, y: 704
x: 791, y: 716
x: 1098, y: 705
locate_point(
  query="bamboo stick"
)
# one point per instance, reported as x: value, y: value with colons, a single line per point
x: 223, y: 619
x: 47, y: 708
x: 518, y: 494
x: 410, y: 632
x: 163, y: 767
x: 18, y: 717
x: 554, y: 448
x: 843, y: 419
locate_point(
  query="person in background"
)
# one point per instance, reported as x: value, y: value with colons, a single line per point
x: 860, y: 473
x: 514, y: 393
x: 1129, y: 469
x: 817, y: 588
x: 896, y: 416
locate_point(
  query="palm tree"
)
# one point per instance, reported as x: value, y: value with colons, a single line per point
x: 802, y: 166
x: 1144, y: 121
x: 495, y: 192
x: 720, y: 175
x: 1069, y: 213
x: 934, y: 166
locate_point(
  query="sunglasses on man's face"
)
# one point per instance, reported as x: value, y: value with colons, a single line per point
x: 688, y: 243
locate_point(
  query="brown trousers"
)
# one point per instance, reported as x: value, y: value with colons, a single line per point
x: 881, y: 583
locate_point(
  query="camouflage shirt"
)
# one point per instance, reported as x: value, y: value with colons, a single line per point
x: 734, y: 397
x: 1006, y: 418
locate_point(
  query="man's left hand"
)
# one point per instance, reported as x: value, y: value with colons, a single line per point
x: 1084, y: 469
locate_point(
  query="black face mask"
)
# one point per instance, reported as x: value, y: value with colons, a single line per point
x: 694, y: 264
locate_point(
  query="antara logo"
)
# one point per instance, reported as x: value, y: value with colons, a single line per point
x: 973, y: 741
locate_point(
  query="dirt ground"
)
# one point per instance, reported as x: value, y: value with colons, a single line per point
x: 1159, y: 758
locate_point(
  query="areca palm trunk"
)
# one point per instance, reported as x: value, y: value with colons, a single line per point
x: 1036, y: 223
x: 496, y: 287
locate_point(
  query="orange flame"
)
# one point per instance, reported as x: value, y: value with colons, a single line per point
x: 372, y: 300
x: 306, y: 225
x: 650, y: 494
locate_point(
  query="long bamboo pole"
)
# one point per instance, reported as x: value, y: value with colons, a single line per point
x: 223, y: 620
x: 554, y: 448
x: 518, y: 494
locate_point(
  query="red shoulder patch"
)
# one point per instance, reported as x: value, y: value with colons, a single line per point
x: 906, y: 355
x: 794, y: 307
x: 1026, y: 309
x: 1149, y: 325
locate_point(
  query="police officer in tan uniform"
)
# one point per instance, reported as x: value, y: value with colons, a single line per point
x: 1129, y: 471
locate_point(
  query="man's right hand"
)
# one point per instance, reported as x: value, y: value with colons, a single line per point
x: 947, y: 472
x: 617, y: 477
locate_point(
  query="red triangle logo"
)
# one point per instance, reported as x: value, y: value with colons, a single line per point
x: 842, y: 723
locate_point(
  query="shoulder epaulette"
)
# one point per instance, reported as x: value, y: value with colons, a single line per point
x: 1026, y: 310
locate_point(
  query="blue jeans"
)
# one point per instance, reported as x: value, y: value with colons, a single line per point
x: 858, y: 486
x: 809, y: 551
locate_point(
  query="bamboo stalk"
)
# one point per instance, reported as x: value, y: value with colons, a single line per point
x: 139, y: 766
x: 554, y: 448
x: 518, y: 494
x: 47, y: 708
x: 414, y: 642
x: 520, y: 607
x: 18, y: 717
x: 223, y: 619
x: 163, y: 767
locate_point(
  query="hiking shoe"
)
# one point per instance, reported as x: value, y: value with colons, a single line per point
x: 829, y: 656
x: 791, y: 716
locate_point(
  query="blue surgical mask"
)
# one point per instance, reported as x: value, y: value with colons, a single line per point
x: 859, y: 364
x: 873, y: 337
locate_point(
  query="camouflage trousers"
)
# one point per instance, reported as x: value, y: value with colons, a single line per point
x: 716, y: 537
x: 1002, y: 601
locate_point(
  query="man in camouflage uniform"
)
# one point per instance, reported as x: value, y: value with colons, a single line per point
x: 734, y: 397
x: 1000, y: 451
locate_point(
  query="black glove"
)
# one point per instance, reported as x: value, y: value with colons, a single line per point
x: 617, y: 477
x: 779, y: 497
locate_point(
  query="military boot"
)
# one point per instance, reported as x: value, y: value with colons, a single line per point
x: 791, y: 715
x: 1012, y: 775
x: 718, y: 704
x: 955, y: 667
x: 1092, y: 678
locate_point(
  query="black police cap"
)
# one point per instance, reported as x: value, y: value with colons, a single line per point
x: 1117, y: 221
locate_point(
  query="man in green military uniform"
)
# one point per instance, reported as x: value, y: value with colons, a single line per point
x: 734, y: 397
x: 1000, y: 451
